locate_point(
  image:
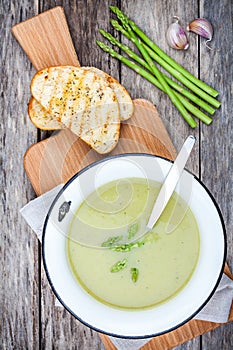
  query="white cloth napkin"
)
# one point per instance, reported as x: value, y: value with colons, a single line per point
x: 216, y: 310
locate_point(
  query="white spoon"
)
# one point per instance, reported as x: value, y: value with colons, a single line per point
x: 171, y: 181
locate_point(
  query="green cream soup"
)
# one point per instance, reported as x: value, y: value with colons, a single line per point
x: 113, y: 257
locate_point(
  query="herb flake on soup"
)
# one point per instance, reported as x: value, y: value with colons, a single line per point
x: 113, y: 257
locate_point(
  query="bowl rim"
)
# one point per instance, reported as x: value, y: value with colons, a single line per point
x: 51, y: 282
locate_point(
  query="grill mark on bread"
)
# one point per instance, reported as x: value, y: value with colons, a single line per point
x: 102, y: 138
x: 86, y: 102
x: 125, y: 102
x: 41, y: 118
x: 78, y: 100
x: 93, y: 114
x: 65, y: 80
x: 55, y: 97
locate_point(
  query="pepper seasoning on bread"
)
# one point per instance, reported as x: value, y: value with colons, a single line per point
x: 86, y: 100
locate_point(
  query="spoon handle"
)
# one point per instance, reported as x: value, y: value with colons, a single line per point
x: 171, y: 181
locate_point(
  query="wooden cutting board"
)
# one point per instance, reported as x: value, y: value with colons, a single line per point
x: 46, y: 40
x: 54, y: 160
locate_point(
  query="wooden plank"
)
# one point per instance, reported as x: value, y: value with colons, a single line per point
x: 84, y: 21
x: 19, y: 298
x: 58, y: 324
x: 59, y: 329
x: 217, y: 148
x: 154, y: 18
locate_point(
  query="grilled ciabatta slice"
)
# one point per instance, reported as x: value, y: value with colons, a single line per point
x: 82, y: 101
x: 124, y: 100
x: 41, y: 118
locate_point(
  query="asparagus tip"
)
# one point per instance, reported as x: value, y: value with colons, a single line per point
x: 103, y: 46
x: 113, y: 8
x: 98, y: 43
x: 108, y: 36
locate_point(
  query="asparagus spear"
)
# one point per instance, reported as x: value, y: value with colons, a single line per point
x: 132, y: 230
x: 171, y: 82
x: 195, y: 111
x: 120, y: 265
x: 171, y: 70
x: 162, y: 54
x: 134, y: 274
x: 116, y: 25
x: 183, y: 79
x: 189, y: 95
x: 111, y: 241
x: 155, y: 70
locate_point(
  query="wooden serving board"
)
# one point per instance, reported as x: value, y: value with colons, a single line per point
x: 46, y: 40
x: 55, y: 160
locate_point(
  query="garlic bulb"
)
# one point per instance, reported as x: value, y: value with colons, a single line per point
x: 201, y: 27
x: 176, y: 36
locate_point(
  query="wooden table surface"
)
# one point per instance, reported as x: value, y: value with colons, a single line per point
x: 29, y: 319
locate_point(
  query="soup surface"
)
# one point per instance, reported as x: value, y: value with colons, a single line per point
x: 113, y: 257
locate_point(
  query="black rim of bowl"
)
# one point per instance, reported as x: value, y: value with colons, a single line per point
x: 101, y: 330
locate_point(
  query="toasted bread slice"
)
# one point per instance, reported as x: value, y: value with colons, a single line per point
x: 51, y: 87
x: 101, y: 128
x: 82, y: 101
x: 98, y: 121
x: 41, y: 118
x: 124, y: 100
x: 45, y: 121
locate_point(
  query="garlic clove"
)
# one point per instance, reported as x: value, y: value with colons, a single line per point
x: 201, y: 27
x: 176, y: 36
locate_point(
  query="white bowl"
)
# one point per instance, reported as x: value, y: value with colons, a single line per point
x: 135, y: 323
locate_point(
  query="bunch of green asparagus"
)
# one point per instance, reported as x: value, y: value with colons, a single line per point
x: 204, y: 95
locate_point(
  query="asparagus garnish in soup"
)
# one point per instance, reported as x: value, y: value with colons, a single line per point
x: 127, y: 269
